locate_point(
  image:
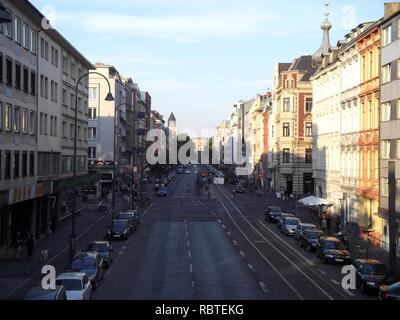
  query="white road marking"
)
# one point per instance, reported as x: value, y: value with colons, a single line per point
x: 191, y: 268
x: 335, y: 282
x: 120, y: 253
x: 190, y: 254
x: 322, y: 272
x: 229, y: 234
x: 187, y: 234
x: 242, y: 254
x: 188, y: 243
x: 351, y: 294
x: 263, y: 287
x: 259, y: 242
x: 235, y: 242
x: 124, y: 247
x: 251, y: 267
x: 223, y: 226
x: 219, y: 221
x: 193, y: 286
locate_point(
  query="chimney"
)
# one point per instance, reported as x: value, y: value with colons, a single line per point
x: 391, y: 8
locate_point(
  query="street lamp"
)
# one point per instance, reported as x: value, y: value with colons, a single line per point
x: 113, y: 179
x: 5, y: 14
x: 109, y: 97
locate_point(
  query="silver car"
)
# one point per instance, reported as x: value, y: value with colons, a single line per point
x: 289, y: 225
x: 282, y: 217
x: 301, y: 227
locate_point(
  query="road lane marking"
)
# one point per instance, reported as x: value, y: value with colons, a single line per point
x: 351, y: 294
x: 190, y: 254
x: 335, y: 282
x: 235, y: 242
x: 263, y: 287
x: 120, y: 253
x: 193, y: 287
x: 187, y: 234
x: 251, y: 267
x: 273, y: 246
x: 322, y: 272
x: 188, y: 243
x: 191, y: 268
x: 228, y: 234
x: 124, y: 247
x: 219, y: 221
x: 242, y: 254
x: 223, y: 226
x: 259, y: 242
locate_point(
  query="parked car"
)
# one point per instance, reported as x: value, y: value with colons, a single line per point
x: 90, y: 263
x: 104, y: 249
x: 283, y: 216
x: 301, y: 227
x: 289, y: 225
x: 119, y: 230
x: 77, y: 285
x: 390, y: 292
x: 309, y: 239
x: 332, y: 250
x: 165, y: 181
x: 370, y: 274
x: 162, y: 192
x: 239, y: 189
x: 188, y: 171
x: 180, y: 171
x: 272, y: 214
x: 38, y: 293
x: 129, y: 216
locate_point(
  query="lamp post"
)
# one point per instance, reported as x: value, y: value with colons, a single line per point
x: 109, y: 97
x: 5, y: 14
x: 115, y: 146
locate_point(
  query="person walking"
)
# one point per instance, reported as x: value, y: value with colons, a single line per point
x: 19, y: 242
x: 30, y: 245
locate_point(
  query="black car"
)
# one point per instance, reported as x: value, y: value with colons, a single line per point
x: 332, y: 250
x: 370, y: 274
x: 272, y: 214
x: 130, y: 217
x: 104, y: 249
x: 309, y: 238
x: 119, y: 230
x: 90, y: 263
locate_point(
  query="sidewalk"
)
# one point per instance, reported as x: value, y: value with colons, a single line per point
x: 14, y: 273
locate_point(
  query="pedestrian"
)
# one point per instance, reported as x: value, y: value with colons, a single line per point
x: 30, y: 245
x: 19, y: 242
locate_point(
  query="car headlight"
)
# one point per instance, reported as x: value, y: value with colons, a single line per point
x: 329, y: 256
x: 371, y: 283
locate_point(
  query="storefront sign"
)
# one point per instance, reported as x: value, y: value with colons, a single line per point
x: 65, y: 185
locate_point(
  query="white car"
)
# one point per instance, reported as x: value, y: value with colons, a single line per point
x: 77, y: 285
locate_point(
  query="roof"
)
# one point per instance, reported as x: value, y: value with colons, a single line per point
x: 172, y: 117
x: 305, y: 64
x: 38, y: 17
x: 283, y: 67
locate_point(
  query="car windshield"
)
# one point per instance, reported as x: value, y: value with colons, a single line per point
x: 124, y: 216
x: 70, y: 284
x: 275, y: 209
x: 84, y: 263
x: 308, y: 227
x: 313, y: 235
x: 378, y: 269
x: 119, y: 225
x: 98, y: 247
x: 334, y: 245
x: 292, y: 222
x: 162, y: 189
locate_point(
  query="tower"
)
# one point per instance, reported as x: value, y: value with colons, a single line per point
x: 172, y: 122
x: 326, y: 45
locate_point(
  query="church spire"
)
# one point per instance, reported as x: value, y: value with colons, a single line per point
x: 326, y: 45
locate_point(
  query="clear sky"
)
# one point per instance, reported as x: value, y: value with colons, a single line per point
x: 199, y: 57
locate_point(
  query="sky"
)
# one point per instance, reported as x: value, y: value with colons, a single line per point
x: 197, y: 58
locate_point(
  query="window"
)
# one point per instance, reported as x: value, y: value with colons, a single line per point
x: 7, y: 165
x: 51, y: 125
x: 7, y: 117
x: 24, y: 164
x: 397, y: 190
x: 308, y: 158
x: 52, y: 55
x: 8, y: 29
x: 92, y: 93
x: 33, y: 83
x: 93, y: 133
x: 385, y: 149
x: 71, y: 131
x: 33, y: 41
x: 79, y: 104
x: 42, y: 86
x: 72, y: 100
x: 46, y: 87
x: 386, y: 73
x: 308, y: 129
x: 46, y: 124
x: 26, y: 80
x: 46, y: 50
x: 386, y: 110
x: 41, y: 123
x: 17, y: 30
x: 65, y: 98
x: 1, y: 123
x: 9, y: 77
x: 24, y: 121
x: 55, y: 92
x: 79, y: 133
x: 73, y: 69
x: 398, y: 149
x: 32, y: 122
x: 17, y: 119
x: 286, y: 104
x: 92, y: 113
x: 17, y: 76
x: 85, y: 134
x: 385, y: 187
x: 65, y: 64
x: 64, y: 129
x: 286, y: 155
x: 55, y: 124
x: 16, y: 164
x: 92, y: 153
x: 25, y: 36
x: 42, y: 48
x: 56, y: 58
x: 286, y: 129
x: 387, y: 35
x: 32, y: 164
x: 398, y: 65
x: 309, y: 104
x: 1, y: 68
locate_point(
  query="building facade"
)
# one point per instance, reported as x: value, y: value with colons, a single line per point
x: 390, y: 120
